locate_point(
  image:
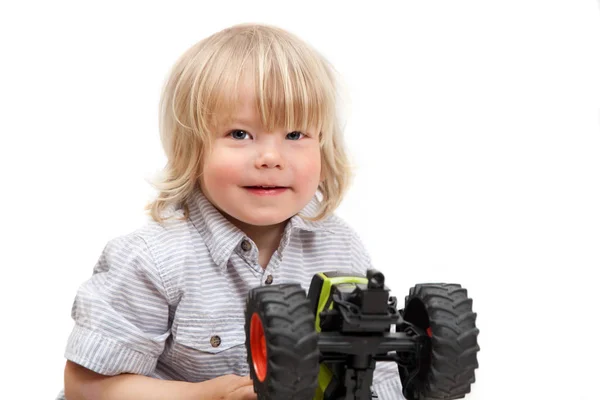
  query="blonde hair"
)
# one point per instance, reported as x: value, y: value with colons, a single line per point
x: 295, y: 88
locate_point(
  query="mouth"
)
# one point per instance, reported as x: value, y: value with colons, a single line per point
x: 266, y: 190
x: 265, y: 187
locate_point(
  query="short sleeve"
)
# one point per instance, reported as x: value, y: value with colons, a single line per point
x: 121, y: 313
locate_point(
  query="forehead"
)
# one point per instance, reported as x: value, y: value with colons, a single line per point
x: 267, y: 102
x: 242, y: 108
x: 245, y: 108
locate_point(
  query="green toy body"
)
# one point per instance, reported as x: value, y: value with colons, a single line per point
x: 320, y: 293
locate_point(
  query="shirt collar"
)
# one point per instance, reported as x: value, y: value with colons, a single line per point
x: 222, y: 237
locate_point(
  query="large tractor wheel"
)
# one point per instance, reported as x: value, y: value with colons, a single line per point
x: 445, y: 369
x: 281, y: 342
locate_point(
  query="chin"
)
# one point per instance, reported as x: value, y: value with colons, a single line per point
x: 264, y: 220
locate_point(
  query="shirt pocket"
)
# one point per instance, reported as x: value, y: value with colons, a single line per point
x: 207, y: 347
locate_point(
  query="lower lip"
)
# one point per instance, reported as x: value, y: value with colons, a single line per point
x: 266, y: 192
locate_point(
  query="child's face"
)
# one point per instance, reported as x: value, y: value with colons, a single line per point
x: 245, y: 156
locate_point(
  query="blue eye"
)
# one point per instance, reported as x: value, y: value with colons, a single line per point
x: 295, y: 135
x: 238, y: 134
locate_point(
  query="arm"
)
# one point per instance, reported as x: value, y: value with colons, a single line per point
x: 117, y: 339
x: 83, y: 384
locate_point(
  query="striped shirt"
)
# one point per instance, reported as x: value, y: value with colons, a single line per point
x: 167, y: 300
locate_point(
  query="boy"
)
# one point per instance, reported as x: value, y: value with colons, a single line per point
x: 256, y: 167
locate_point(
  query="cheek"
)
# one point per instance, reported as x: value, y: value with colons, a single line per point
x: 221, y: 168
x: 308, y: 169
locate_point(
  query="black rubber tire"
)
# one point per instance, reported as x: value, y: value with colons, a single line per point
x: 291, y: 342
x: 448, y: 367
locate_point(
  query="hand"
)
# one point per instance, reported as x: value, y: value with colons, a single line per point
x: 234, y: 387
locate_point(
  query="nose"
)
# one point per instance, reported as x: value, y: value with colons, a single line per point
x: 269, y: 156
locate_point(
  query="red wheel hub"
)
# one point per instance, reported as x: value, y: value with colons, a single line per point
x: 258, y: 347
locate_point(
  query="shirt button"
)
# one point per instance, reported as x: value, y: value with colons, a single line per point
x: 246, y: 245
x: 215, y: 341
x: 269, y: 280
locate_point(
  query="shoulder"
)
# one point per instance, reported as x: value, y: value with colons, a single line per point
x: 343, y: 236
x: 165, y: 239
x: 343, y: 230
x: 163, y: 250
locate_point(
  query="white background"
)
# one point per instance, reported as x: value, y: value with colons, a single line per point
x: 474, y: 126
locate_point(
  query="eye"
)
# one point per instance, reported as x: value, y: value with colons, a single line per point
x: 296, y: 135
x: 238, y: 134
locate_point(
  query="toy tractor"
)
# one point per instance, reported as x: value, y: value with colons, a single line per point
x: 325, y: 346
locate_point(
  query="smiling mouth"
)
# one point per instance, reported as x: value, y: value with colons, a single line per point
x: 265, y: 187
x: 266, y: 190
